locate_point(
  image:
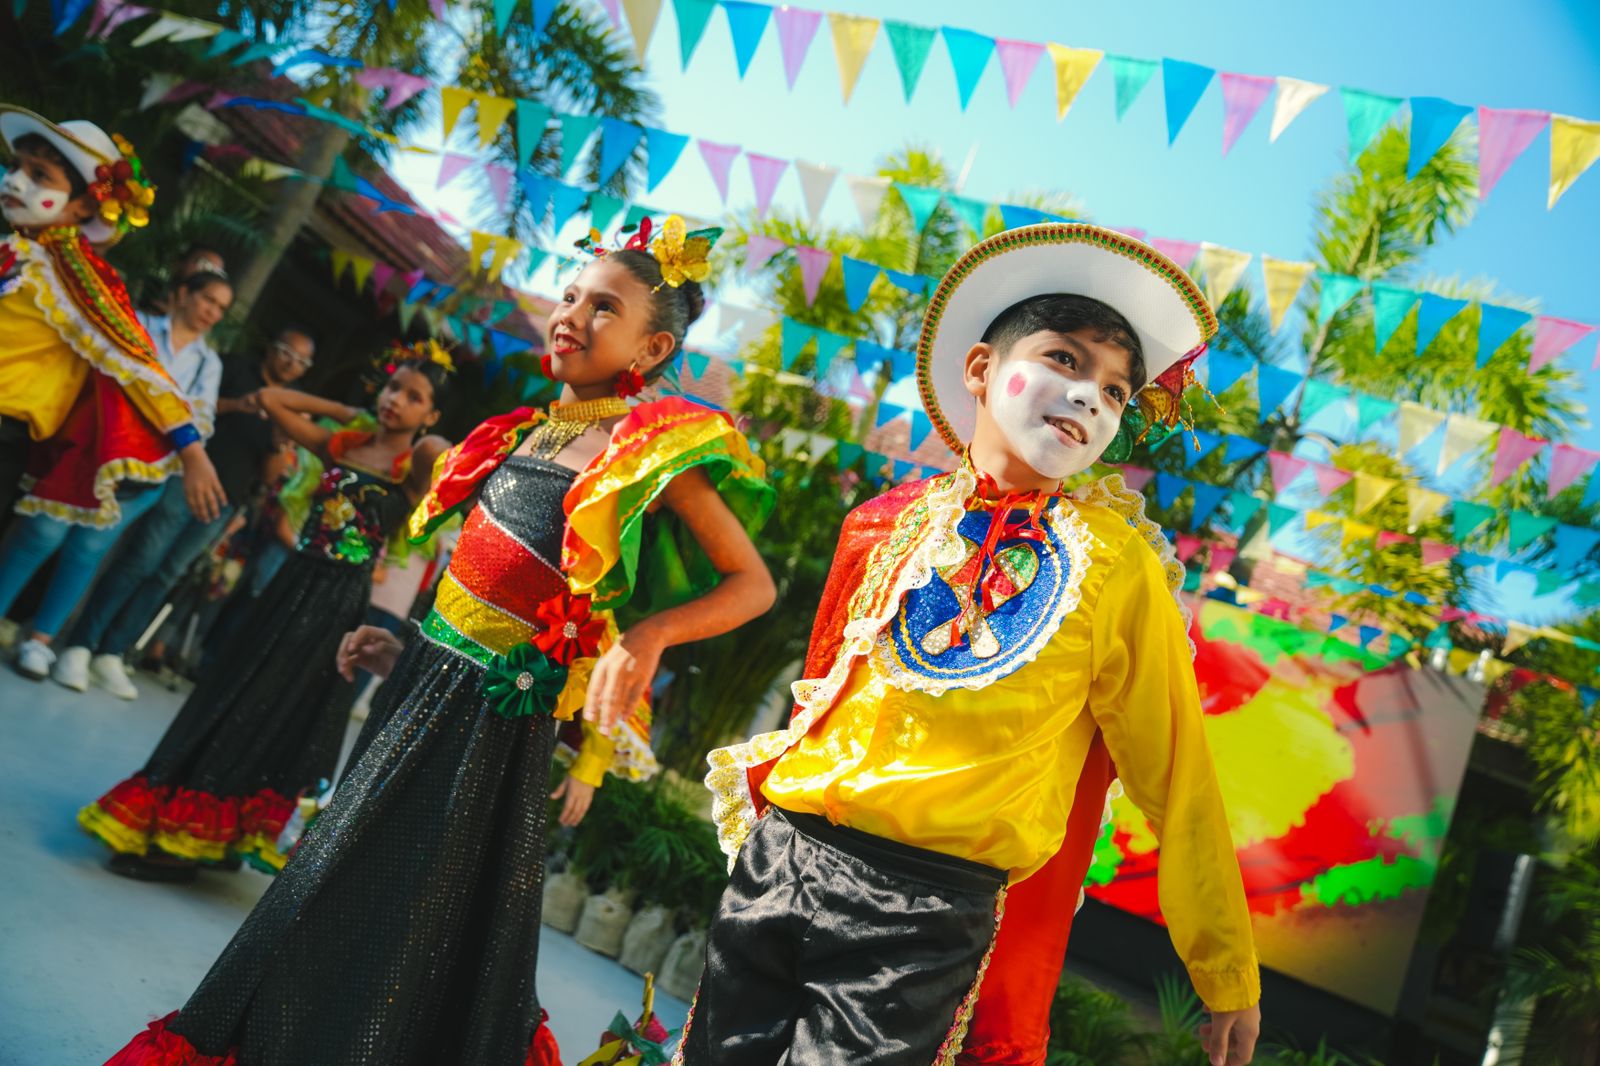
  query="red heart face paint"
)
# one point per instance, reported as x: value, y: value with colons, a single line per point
x: 1055, y: 423
x: 1015, y: 386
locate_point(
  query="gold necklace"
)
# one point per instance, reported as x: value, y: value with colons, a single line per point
x: 566, y: 422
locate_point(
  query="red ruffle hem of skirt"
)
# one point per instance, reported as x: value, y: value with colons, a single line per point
x: 543, y: 1051
x: 199, y: 814
x: 134, y: 803
x: 265, y: 813
x: 160, y: 1046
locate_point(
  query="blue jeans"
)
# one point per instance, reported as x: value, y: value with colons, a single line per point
x: 33, y: 539
x: 158, y: 551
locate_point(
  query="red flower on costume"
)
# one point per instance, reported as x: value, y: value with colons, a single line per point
x: 630, y: 382
x: 569, y: 631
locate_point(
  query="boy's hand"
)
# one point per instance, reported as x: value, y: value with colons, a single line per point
x: 201, y: 488
x: 1230, y: 1036
x: 621, y: 676
x: 576, y: 804
x: 369, y: 648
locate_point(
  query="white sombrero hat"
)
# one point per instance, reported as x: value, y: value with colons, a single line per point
x: 1161, y: 302
x: 85, y: 146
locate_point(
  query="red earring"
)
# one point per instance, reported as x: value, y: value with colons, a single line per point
x: 546, y: 364
x: 630, y: 382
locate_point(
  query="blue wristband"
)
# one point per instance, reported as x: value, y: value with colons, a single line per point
x: 183, y: 436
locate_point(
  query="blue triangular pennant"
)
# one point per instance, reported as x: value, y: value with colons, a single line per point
x: 1432, y: 122
x: 903, y: 468
x: 1390, y: 305
x: 1433, y: 314
x: 1336, y: 622
x: 829, y: 345
x: 505, y: 344
x: 870, y: 356
x: 1202, y: 444
x: 1184, y: 83
x: 1206, y: 500
x: 858, y: 278
x: 1273, y: 386
x: 565, y: 200
x: 1168, y: 488
x: 969, y: 54
x: 698, y: 363
x: 543, y: 10
x: 794, y: 336
x: 1573, y: 545
x: 902, y: 364
x: 662, y: 150
x: 692, y: 18
x: 1226, y: 370
x: 746, y: 22
x: 920, y: 428
x: 1241, y: 448
x: 1365, y: 114
x: 973, y: 212
x: 225, y: 41
x: 1368, y: 634
x: 1014, y: 215
x: 915, y: 284
x: 887, y: 412
x: 922, y: 202
x: 618, y: 140
x: 1496, y: 326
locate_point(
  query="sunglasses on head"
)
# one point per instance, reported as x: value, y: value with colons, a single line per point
x: 301, y: 361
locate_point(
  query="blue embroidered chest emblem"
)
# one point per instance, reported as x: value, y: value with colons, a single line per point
x: 945, y: 632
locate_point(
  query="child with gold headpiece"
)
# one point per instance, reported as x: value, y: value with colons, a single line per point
x: 986, y: 647
x: 405, y: 927
x: 79, y: 376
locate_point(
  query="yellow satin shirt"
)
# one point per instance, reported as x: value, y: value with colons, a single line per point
x: 41, y: 375
x: 989, y: 774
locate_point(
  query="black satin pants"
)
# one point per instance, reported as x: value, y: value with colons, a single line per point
x: 832, y: 946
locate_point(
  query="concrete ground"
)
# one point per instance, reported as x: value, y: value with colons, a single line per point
x: 88, y: 958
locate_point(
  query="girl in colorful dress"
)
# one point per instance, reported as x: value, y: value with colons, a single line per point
x: 405, y: 928
x: 267, y: 719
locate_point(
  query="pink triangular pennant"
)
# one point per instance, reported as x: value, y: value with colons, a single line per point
x: 1137, y: 477
x: 1568, y: 464
x: 1502, y: 136
x: 719, y: 160
x: 814, y: 263
x: 1285, y: 468
x: 109, y: 14
x: 1513, y: 451
x: 796, y: 29
x: 1242, y: 97
x: 1222, y: 558
x: 1133, y: 231
x: 765, y: 170
x: 450, y: 165
x: 438, y: 7
x: 1180, y: 252
x: 1017, y: 62
x: 613, y: 12
x: 1187, y: 546
x: 759, y: 249
x: 1387, y: 537
x: 499, y: 182
x: 1554, y: 336
x: 1435, y: 552
x: 1330, y: 479
x: 381, y: 273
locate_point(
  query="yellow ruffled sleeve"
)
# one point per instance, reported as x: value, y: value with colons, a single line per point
x: 593, y: 758
x: 1144, y: 697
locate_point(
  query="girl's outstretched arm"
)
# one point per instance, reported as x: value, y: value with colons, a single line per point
x: 746, y: 591
x: 288, y: 409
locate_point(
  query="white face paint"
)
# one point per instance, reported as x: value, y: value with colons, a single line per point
x: 25, y: 203
x: 1026, y: 397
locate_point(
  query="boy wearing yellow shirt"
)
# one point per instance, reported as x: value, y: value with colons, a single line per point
x: 986, y: 647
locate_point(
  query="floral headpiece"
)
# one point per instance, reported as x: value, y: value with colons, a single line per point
x: 683, y: 254
x: 425, y: 351
x: 123, y: 191
x: 1157, y: 410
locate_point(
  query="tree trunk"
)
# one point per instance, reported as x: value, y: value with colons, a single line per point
x: 290, y: 210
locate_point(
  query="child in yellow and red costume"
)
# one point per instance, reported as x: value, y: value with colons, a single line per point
x: 78, y: 373
x: 986, y: 647
x: 404, y: 929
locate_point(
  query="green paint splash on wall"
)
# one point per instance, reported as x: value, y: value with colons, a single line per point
x: 1368, y: 881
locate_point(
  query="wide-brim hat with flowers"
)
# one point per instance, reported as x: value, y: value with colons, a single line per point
x: 1168, y: 313
x: 106, y: 163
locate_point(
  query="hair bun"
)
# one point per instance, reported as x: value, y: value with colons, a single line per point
x: 694, y: 298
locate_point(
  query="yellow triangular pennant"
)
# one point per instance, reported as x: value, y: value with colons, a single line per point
x: 1354, y: 531
x: 361, y: 270
x: 1073, y: 67
x: 492, y: 113
x: 1417, y: 424
x: 642, y: 21
x: 1517, y: 635
x: 1462, y: 435
x: 1574, y: 146
x: 1494, y: 670
x: 1284, y: 277
x: 1370, y: 489
x: 481, y: 243
x: 505, y: 250
x: 1248, y: 596
x: 1316, y: 519
x: 1424, y: 504
x: 341, y: 263
x: 1222, y: 267
x: 452, y: 101
x: 1461, y: 661
x: 853, y: 37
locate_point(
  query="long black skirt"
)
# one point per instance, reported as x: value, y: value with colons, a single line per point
x: 404, y: 930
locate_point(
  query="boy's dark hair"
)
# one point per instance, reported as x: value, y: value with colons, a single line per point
x: 203, y: 280
x: 1062, y: 312
x: 672, y: 310
x: 33, y: 142
x: 437, y: 376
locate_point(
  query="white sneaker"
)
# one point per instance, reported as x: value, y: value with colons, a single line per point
x: 34, y: 660
x: 72, y: 669
x: 111, y: 674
